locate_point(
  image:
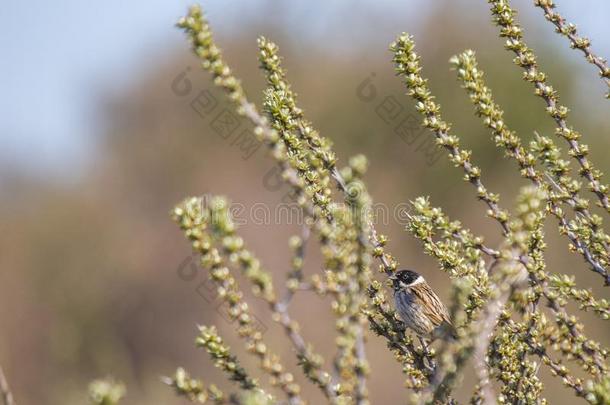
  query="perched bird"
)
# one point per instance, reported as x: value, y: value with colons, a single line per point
x: 419, y: 307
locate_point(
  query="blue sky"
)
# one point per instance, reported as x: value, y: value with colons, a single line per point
x: 59, y: 57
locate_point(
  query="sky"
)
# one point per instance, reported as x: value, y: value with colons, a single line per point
x: 59, y: 58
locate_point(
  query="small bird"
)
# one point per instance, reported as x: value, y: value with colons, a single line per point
x: 419, y: 307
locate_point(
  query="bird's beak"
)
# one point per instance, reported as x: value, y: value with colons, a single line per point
x: 392, y: 277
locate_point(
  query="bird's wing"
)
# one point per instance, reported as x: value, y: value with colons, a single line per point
x: 432, y: 305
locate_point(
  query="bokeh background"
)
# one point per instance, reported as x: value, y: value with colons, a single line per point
x: 97, y: 147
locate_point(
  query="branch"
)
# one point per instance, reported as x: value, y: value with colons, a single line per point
x: 569, y: 31
x: 196, y: 392
x: 504, y: 17
x: 472, y: 77
x: 407, y: 66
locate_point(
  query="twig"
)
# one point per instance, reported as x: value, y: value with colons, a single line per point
x: 295, y: 276
x: 569, y: 31
x: 504, y: 17
x: 472, y: 77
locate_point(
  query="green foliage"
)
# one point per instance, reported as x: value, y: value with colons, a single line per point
x: 509, y: 311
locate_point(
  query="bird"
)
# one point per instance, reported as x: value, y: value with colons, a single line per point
x: 419, y: 307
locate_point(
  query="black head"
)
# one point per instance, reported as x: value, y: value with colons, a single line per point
x: 404, y: 278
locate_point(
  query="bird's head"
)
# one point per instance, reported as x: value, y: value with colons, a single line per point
x: 405, y: 278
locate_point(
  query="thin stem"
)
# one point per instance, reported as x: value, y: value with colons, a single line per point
x: 569, y: 31
x: 472, y: 77
x: 504, y: 17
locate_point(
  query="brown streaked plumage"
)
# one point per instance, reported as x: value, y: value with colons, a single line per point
x: 419, y: 307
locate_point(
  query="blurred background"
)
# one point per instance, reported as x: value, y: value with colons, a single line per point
x: 100, y: 140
